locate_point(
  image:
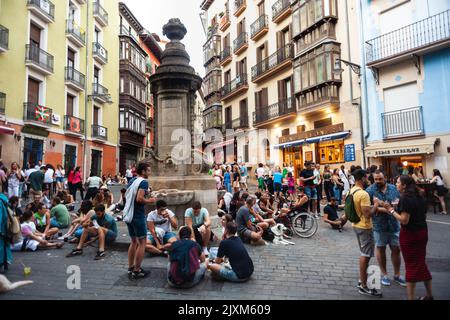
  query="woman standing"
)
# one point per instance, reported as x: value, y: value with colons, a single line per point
x: 14, y: 176
x: 70, y: 180
x: 338, y: 186
x: 440, y: 188
x: 60, y: 174
x: 236, y: 178
x: 77, y: 184
x: 411, y: 212
x: 48, y: 180
x: 217, y: 174
x: 227, y: 179
x: 328, y: 183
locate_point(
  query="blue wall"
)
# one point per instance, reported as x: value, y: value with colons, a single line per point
x: 435, y: 98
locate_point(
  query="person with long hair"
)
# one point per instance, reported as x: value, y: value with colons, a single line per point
x: 411, y: 213
x: 70, y: 175
x: 60, y: 174
x: 236, y: 178
x: 77, y: 184
x: 328, y: 183
x: 440, y: 189
x: 14, y: 177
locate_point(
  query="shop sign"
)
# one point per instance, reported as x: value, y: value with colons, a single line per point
x: 313, y: 133
x: 35, y: 131
x: 349, y: 153
x: 394, y: 152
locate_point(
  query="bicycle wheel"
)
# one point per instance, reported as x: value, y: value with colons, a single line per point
x: 305, y: 225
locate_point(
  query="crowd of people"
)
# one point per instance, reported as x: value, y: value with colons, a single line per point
x: 44, y: 198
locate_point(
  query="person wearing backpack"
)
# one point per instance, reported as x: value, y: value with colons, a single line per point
x: 358, y: 210
x: 186, y: 268
x: 5, y: 231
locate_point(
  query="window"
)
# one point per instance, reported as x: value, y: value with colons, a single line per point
x: 301, y: 128
x: 261, y: 8
x: 401, y: 97
x: 285, y: 132
x: 396, y: 18
x: 312, y: 11
x: 323, y: 123
x: 330, y: 152
x: 122, y: 85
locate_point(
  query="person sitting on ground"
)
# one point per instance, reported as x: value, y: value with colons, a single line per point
x: 331, y: 215
x: 43, y: 221
x: 197, y: 218
x: 100, y: 225
x: 76, y: 228
x: 60, y: 217
x: 240, y: 261
x: 66, y: 199
x: 31, y: 239
x: 14, y: 206
x: 265, y: 206
x: 224, y: 221
x: 160, y: 223
x: 186, y: 268
x: 249, y: 232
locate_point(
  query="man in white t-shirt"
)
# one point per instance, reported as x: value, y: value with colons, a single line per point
x: 129, y: 174
x: 93, y: 184
x: 260, y: 176
x: 160, y: 224
x: 343, y: 175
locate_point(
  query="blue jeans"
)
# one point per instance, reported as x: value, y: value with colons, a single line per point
x: 337, y: 194
x: 199, y: 274
x: 138, y: 227
x: 167, y: 237
x: 311, y: 192
x: 55, y: 224
x: 228, y: 186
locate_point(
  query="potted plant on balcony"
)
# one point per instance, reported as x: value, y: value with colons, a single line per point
x: 221, y: 14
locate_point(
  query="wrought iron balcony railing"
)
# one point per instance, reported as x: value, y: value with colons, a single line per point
x: 407, y: 122
x: 271, y: 62
x: 37, y: 113
x: 100, y: 12
x: 259, y: 25
x: 75, y: 76
x: 241, y: 122
x: 226, y: 53
x: 234, y: 85
x: 240, y: 41
x: 4, y: 38
x: 99, y: 90
x: 274, y: 111
x: 75, y: 30
x: 45, y: 7
x: 239, y: 6
x: 407, y: 40
x: 34, y: 54
x: 280, y: 7
x: 99, y: 50
x: 99, y: 132
x: 74, y: 124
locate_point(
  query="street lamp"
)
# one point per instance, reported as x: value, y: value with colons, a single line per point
x: 338, y: 70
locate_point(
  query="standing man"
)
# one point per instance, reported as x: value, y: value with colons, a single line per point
x: 307, y: 178
x: 36, y: 180
x: 134, y: 216
x: 386, y: 229
x: 343, y: 175
x: 244, y: 174
x: 363, y: 230
x: 260, y: 177
x: 129, y: 174
x: 318, y: 181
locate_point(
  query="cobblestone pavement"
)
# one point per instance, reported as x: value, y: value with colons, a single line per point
x: 324, y: 267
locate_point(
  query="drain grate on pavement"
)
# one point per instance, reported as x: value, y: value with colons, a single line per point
x: 156, y: 279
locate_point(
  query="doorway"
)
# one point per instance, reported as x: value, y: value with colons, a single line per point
x: 294, y: 155
x: 33, y: 151
x: 96, y: 162
x: 70, y: 157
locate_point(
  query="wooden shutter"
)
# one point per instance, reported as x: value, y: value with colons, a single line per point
x: 259, y: 54
x: 95, y: 120
x: 69, y: 110
x: 243, y: 24
x: 280, y: 90
x: 257, y: 100
x: 35, y: 35
x: 244, y: 66
x: 265, y: 97
x: 33, y: 91
x: 279, y: 39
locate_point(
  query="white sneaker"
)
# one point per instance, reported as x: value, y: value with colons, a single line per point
x: 205, y: 251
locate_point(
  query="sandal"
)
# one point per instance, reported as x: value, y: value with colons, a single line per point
x: 100, y: 255
x: 75, y: 252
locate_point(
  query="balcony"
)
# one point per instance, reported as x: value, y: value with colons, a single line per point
x: 259, y: 28
x: 2, y: 103
x: 236, y: 87
x: 37, y: 115
x: 123, y: 31
x: 100, y: 93
x: 209, y: 55
x: 75, y: 33
x: 99, y: 53
x: 280, y: 111
x: 240, y: 123
x: 75, y: 79
x: 225, y: 22
x: 225, y: 56
x: 316, y: 37
x: 324, y: 98
x: 275, y: 63
x: 418, y: 38
x: 403, y: 123
x: 99, y: 133
x: 38, y: 60
x: 4, y: 39
x: 73, y: 126
x: 212, y: 117
x: 281, y: 10
x: 239, y: 7
x: 44, y: 9
x: 228, y: 125
x: 240, y: 43
x: 100, y: 14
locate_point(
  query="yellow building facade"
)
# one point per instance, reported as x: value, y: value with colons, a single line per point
x: 59, y: 83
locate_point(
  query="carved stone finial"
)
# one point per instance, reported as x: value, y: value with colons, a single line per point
x: 174, y: 30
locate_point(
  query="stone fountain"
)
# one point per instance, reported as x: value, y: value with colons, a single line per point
x: 179, y: 175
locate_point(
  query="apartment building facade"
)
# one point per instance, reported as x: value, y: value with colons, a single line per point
x: 407, y: 48
x: 274, y: 63
x: 61, y: 100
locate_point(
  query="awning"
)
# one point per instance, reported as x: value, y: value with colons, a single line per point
x: 222, y: 144
x: 7, y: 130
x: 329, y: 137
x: 290, y: 144
x: 401, y: 148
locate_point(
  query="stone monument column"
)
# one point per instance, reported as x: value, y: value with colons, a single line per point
x: 174, y: 86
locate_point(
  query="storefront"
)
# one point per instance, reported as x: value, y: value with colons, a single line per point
x: 323, y: 146
x: 402, y: 156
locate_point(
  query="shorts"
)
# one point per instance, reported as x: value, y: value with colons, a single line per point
x: 31, y: 245
x: 60, y: 179
x: 382, y: 239
x: 311, y: 192
x: 366, y: 242
x: 246, y: 235
x: 228, y: 274
x: 55, y: 224
x: 243, y: 180
x: 261, y: 183
x: 169, y: 235
x: 138, y: 227
x: 277, y: 187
